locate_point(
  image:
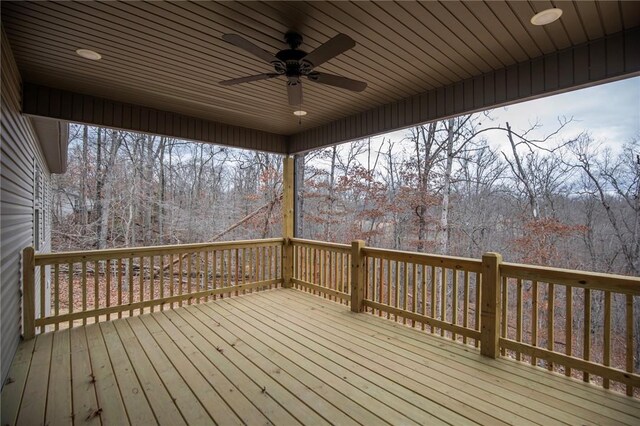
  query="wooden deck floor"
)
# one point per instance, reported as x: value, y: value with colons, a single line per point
x: 284, y: 357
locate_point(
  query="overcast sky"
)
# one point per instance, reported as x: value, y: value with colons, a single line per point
x: 610, y: 112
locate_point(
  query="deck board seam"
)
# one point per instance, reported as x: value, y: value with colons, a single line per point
x: 320, y: 379
x: 363, y: 377
x: 452, y: 348
x: 434, y: 360
x: 271, y: 362
x: 375, y: 323
x: 389, y: 373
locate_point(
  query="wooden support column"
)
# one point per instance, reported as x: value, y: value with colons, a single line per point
x: 490, y: 314
x: 357, y: 276
x: 28, y: 294
x: 287, y: 219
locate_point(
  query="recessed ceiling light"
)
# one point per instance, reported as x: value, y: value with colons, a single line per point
x: 546, y: 16
x: 89, y: 54
x: 299, y: 113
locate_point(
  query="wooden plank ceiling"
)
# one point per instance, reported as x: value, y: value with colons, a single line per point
x: 170, y: 56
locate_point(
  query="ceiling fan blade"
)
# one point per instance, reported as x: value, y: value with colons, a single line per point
x: 248, y: 79
x: 294, y: 90
x: 337, y: 81
x: 337, y: 45
x: 245, y: 44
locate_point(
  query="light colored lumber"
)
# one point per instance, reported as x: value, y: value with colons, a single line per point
x: 147, y: 303
x: 28, y: 293
x: 357, y: 275
x: 121, y: 253
x: 387, y: 371
x: 357, y: 328
x: 248, y: 398
x: 394, y: 400
x: 451, y: 262
x: 421, y: 318
x: 59, y: 400
x: 85, y: 405
x: 354, y: 400
x: 265, y: 367
x: 325, y: 290
x: 563, y: 388
x: 490, y: 316
x: 34, y: 398
x: 162, y: 402
x: 15, y: 382
x: 133, y: 393
x: 580, y: 279
x: 107, y: 391
x: 170, y: 375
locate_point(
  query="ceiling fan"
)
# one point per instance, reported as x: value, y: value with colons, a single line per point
x: 294, y: 64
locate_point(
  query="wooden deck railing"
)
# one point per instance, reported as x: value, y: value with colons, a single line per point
x: 322, y: 268
x: 100, y: 285
x: 579, y: 323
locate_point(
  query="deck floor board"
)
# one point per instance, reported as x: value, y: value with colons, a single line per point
x: 284, y: 357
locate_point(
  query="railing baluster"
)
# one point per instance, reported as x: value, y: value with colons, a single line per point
x: 120, y: 284
x: 478, y: 305
x: 108, y: 286
x: 454, y: 301
x: 414, y: 304
x: 173, y: 278
x: 161, y: 266
x: 550, y: 321
x: 519, y: 315
x: 205, y: 283
x: 190, y: 258
x: 237, y: 269
x: 606, y: 355
x: 465, y: 318
x: 443, y: 297
x: 56, y: 292
x: 424, y: 295
x: 70, y: 302
x: 96, y: 288
x: 43, y: 297
x: 84, y: 291
x: 629, y: 339
x: 534, y: 318
x: 180, y: 277
x: 152, y: 273
x: 389, y: 285
x: 434, y: 291
x: 505, y: 312
x: 568, y: 337
x: 586, y: 351
x: 141, y: 283
x: 130, y: 285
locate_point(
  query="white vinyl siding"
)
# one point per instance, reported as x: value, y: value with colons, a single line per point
x: 20, y: 158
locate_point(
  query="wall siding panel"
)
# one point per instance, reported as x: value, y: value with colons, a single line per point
x: 20, y: 154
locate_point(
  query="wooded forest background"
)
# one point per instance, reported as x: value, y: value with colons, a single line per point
x: 442, y: 189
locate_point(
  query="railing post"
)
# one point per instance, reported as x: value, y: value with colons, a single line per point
x: 28, y: 293
x: 357, y: 276
x: 490, y: 298
x: 287, y: 220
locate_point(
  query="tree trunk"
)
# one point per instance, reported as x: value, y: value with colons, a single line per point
x: 299, y: 195
x: 84, y: 219
x: 446, y: 192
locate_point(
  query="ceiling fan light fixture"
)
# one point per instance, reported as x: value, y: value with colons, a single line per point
x: 89, y: 54
x: 299, y: 113
x: 546, y: 17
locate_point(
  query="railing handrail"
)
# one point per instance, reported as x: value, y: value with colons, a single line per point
x: 454, y: 262
x: 323, y: 244
x: 574, y: 278
x: 126, y: 252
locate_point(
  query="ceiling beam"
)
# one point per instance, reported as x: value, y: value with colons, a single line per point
x: 42, y: 101
x: 606, y: 59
